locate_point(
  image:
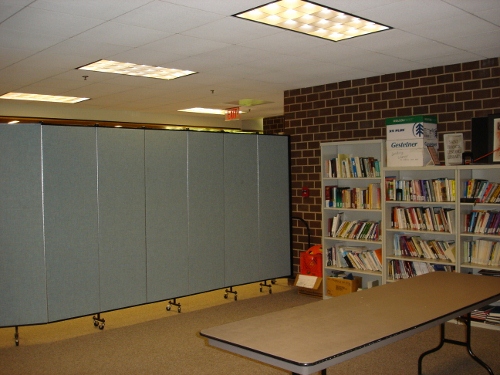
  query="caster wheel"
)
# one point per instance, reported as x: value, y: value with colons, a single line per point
x: 101, y: 327
x: 225, y: 296
x: 168, y: 307
x: 96, y: 323
x: 273, y: 281
x: 179, y: 309
x: 261, y: 289
x: 270, y: 291
x: 236, y: 298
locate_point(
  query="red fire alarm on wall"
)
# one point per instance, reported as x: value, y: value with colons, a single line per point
x: 305, y: 192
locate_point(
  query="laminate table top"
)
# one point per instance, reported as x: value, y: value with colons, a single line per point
x: 312, y: 337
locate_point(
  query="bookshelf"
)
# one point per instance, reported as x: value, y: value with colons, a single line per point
x: 420, y: 226
x: 351, y: 186
x: 431, y: 218
x: 441, y: 218
x: 479, y: 220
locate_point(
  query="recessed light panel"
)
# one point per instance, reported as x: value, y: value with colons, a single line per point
x: 210, y: 111
x: 42, y: 98
x: 312, y: 19
x: 130, y: 69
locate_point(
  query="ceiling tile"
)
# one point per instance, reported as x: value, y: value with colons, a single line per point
x: 39, y: 21
x: 183, y: 45
x: 101, y: 9
x: 231, y: 30
x: 167, y: 17
x: 121, y: 34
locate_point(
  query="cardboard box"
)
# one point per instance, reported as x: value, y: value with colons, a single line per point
x: 311, y: 285
x: 336, y: 286
x: 408, y: 138
x: 411, y: 127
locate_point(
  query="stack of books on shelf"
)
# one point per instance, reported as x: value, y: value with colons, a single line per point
x: 436, y: 219
x: 402, y: 269
x: 357, y: 257
x: 493, y: 316
x: 484, y: 252
x: 355, y: 229
x: 368, y: 198
x: 414, y: 246
x: 482, y: 221
x: 348, y: 166
x: 482, y: 191
x: 435, y: 190
x: 489, y: 314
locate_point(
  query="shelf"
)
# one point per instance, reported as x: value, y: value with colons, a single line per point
x: 426, y: 260
x: 353, y: 209
x: 354, y: 270
x: 420, y: 203
x: 419, y: 231
x: 340, y: 239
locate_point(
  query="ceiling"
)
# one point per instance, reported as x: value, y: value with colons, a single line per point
x: 42, y: 42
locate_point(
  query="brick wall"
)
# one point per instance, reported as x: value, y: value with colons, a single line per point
x: 357, y: 109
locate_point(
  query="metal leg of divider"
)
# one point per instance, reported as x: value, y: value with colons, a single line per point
x: 230, y: 290
x: 98, y: 321
x: 174, y: 303
x: 265, y: 284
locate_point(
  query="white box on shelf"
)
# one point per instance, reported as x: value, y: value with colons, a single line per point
x: 408, y: 153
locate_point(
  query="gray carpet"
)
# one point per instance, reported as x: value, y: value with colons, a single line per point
x: 172, y: 345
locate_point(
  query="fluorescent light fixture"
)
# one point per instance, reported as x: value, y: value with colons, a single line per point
x: 43, y: 98
x: 312, y: 19
x: 209, y: 111
x: 130, y: 69
x: 13, y: 122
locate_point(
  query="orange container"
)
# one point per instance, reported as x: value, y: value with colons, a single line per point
x: 311, y: 262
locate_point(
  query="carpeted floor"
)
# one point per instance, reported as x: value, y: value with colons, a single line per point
x: 171, y: 345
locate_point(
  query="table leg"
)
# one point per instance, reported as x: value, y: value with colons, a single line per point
x: 467, y: 344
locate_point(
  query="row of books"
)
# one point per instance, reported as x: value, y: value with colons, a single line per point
x: 358, y: 257
x: 345, y: 197
x: 489, y: 314
x: 482, y: 191
x: 483, y: 252
x: 436, y: 219
x: 402, y: 269
x: 355, y: 229
x: 434, y: 190
x: 482, y: 221
x: 348, y: 166
x: 415, y: 246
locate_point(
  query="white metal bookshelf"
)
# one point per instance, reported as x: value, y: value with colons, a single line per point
x: 368, y: 214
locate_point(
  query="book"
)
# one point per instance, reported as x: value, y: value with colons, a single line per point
x: 335, y: 223
x: 329, y: 202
